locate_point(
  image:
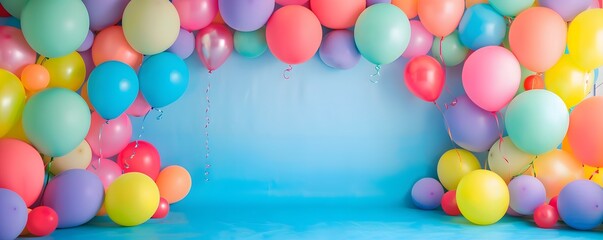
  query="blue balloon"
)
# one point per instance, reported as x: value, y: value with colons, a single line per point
x: 112, y: 88
x: 163, y: 79
x: 13, y: 214
x: 580, y: 204
x: 482, y: 26
x: 10, y: 21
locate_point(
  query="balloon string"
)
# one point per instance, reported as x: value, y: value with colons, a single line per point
x: 586, y: 83
x: 100, y: 144
x: 208, y: 122
x: 530, y: 165
x: 500, y: 141
x: 376, y: 77
x: 286, y: 72
x: 136, y: 145
x: 450, y: 132
x: 596, y: 172
x: 444, y: 66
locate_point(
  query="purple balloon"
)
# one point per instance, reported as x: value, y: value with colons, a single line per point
x: 580, y: 204
x: 104, y: 13
x: 338, y: 50
x: 512, y: 212
x: 371, y: 2
x: 526, y: 193
x: 427, y: 193
x: 246, y: 15
x: 420, y: 40
x: 567, y: 9
x: 75, y: 195
x: 88, y: 62
x: 13, y: 214
x: 471, y: 127
x: 184, y: 44
x: 87, y: 44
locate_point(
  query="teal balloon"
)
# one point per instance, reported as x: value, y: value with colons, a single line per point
x: 163, y: 79
x: 537, y: 121
x: 251, y: 44
x: 112, y: 88
x: 453, y: 51
x: 382, y: 33
x: 56, y: 121
x: 14, y: 7
x: 55, y: 28
x: 511, y: 8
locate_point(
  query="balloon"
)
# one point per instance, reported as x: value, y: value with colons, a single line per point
x: 512, y: 212
x: 76, y: 195
x: 583, y: 40
x: 104, y: 13
x: 370, y: 2
x: 17, y: 131
x: 293, y: 34
x: 106, y: 170
x: 140, y: 107
x: 595, y: 4
x: 482, y: 197
x: 162, y: 210
x: 184, y: 45
x: 214, y: 45
x: 22, y: 169
x: 56, y: 121
x: 546, y: 216
x: 88, y: 62
x: 79, y: 158
x: 12, y: 97
x: 409, y: 7
x: 246, y: 15
x: 3, y: 12
x: 13, y: 214
x: 382, y: 33
x: 15, y: 53
x: 482, y: 26
x: 420, y: 41
x: 195, y: 14
x: 115, y: 136
x: 42, y: 221
x: 427, y: 194
x: 424, y: 77
x: 553, y: 202
x: 163, y: 79
x: 35, y: 77
x: 251, y: 44
x: 440, y: 17
x: 337, y: 14
x: 580, y: 205
x: 533, y: 82
x: 537, y: 121
x: 511, y: 7
x: 291, y: 2
x: 452, y: 50
x: 568, y: 81
x: 174, y: 183
x: 111, y: 45
x: 556, y: 169
x: 506, y: 160
x: 338, y: 50
x: 454, y: 165
x: 68, y: 71
x: 585, y: 133
x: 471, y: 127
x: 114, y: 79
x: 491, y: 77
x: 150, y: 26
x: 525, y: 73
x: 592, y: 174
x: 568, y: 10
x: 10, y: 22
x: 14, y: 7
x: 87, y: 44
x: 146, y: 159
x: 449, y: 204
x: 537, y: 38
x: 527, y: 193
x: 470, y: 3
x: 132, y: 199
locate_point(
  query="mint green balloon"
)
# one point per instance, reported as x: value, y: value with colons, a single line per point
x: 55, y: 28
x: 56, y: 121
x: 537, y: 121
x: 511, y: 8
x: 251, y: 44
x: 14, y: 7
x: 453, y: 51
x: 382, y: 33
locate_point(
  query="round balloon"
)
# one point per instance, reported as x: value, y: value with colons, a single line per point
x: 214, y: 45
x: 449, y: 205
x: 140, y: 107
x: 583, y: 39
x: 42, y: 221
x: 337, y: 14
x: 150, y: 26
x: 568, y: 81
x: 104, y: 13
x: 471, y: 127
x: 454, y: 165
x: 293, y: 34
x: 162, y: 210
x: 482, y: 197
x: 35, y: 77
x: 115, y: 136
x: 511, y: 8
x: 68, y: 71
x: 111, y: 45
x: 440, y: 17
x: 12, y: 96
x: 420, y: 41
x: 338, y: 50
x: 174, y: 183
x: 14, y: 7
x: 580, y: 204
x: 585, y: 134
x: 506, y: 160
x: 106, y: 170
x: 143, y: 158
x: 79, y: 158
x: 424, y: 77
x: 250, y: 44
x: 13, y: 214
x: 87, y: 44
x: 526, y: 194
x: 291, y: 2
x: 15, y: 53
x: 22, y: 169
x: 184, y: 45
x: 246, y: 15
x: 556, y: 169
x: 196, y: 14
x: 452, y: 51
x: 482, y: 26
x: 568, y: 10
x: 163, y: 79
x: 132, y: 199
x: 427, y: 194
x: 546, y: 216
x: 408, y: 6
x: 112, y: 88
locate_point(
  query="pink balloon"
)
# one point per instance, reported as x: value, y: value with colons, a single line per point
x: 107, y: 170
x: 420, y: 40
x: 140, y: 107
x: 214, y: 44
x: 116, y: 135
x: 291, y: 2
x: 15, y: 53
x: 491, y: 77
x: 196, y: 14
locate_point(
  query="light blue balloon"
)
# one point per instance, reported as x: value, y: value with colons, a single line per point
x: 163, y: 79
x: 56, y: 121
x: 112, y: 88
x: 537, y: 121
x: 251, y: 44
x: 482, y: 26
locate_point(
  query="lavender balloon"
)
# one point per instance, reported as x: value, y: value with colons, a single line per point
x: 371, y: 2
x: 88, y: 62
x: 527, y: 193
x: 471, y: 127
x: 420, y: 40
x: 104, y: 13
x: 246, y: 15
x: 580, y: 204
x: 338, y: 50
x: 87, y: 44
x: 13, y: 214
x: 567, y: 9
x: 427, y: 193
x: 184, y: 44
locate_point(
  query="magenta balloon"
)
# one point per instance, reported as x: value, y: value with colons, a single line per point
x: 246, y: 15
x: 15, y: 53
x: 115, y: 136
x: 420, y: 40
x: 196, y: 14
x: 105, y: 169
x: 139, y: 107
x: 214, y: 44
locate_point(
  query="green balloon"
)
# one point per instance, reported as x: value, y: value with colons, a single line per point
x: 453, y: 51
x: 56, y: 121
x: 511, y: 8
x: 382, y: 33
x: 14, y: 7
x: 55, y: 28
x: 537, y: 121
x: 250, y: 44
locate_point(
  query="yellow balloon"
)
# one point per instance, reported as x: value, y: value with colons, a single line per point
x: 482, y: 197
x: 17, y: 132
x: 67, y: 72
x: 585, y: 39
x: 79, y: 158
x: 594, y: 175
x: 453, y: 165
x: 568, y: 81
x: 150, y: 26
x: 12, y: 100
x: 132, y: 199
x: 507, y: 160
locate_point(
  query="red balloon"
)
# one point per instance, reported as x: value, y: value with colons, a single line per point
x: 449, y: 203
x: 533, y: 82
x: 424, y: 77
x: 42, y: 221
x: 146, y: 159
x: 553, y: 202
x: 3, y: 12
x: 21, y: 169
x: 545, y: 216
x: 293, y: 34
x: 214, y: 44
x: 163, y: 209
x: 337, y: 14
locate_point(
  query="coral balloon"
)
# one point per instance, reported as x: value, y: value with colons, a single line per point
x: 68, y: 71
x: 454, y: 165
x: 546, y: 216
x: 195, y: 14
x: 449, y: 204
x: 246, y: 15
x: 214, y: 45
x: 12, y: 97
x: 42, y: 221
x: 506, y: 160
x: 22, y: 169
x: 420, y: 42
x: 35, y: 77
x: 144, y: 159
x: 337, y: 14
x: 584, y: 39
x: 471, y: 127
x: 132, y: 199
x: 111, y: 44
x: 116, y: 135
x: 15, y: 53
x: 162, y: 210
x: 585, y: 133
x: 482, y: 197
x: 150, y: 26
x: 174, y: 183
x: 409, y: 7
x: 556, y: 169
x: 106, y: 170
x: 440, y: 17
x: 293, y: 34
x: 424, y: 77
x: 78, y: 158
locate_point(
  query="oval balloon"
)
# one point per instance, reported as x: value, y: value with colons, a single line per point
x: 112, y: 88
x: 584, y: 39
x: 246, y: 15
x: 111, y: 45
x: 482, y: 26
x: 471, y: 127
x: 22, y: 169
x: 424, y: 77
x: 15, y: 53
x: 420, y: 42
x: 78, y: 158
x: 132, y: 199
x: 68, y: 71
x: 13, y: 94
x: 555, y: 170
x: 251, y: 44
x: 452, y: 50
x: 150, y: 26
x: 144, y: 159
x: 163, y: 79
x: 585, y: 133
x: 506, y: 160
x: 35, y: 77
x: 104, y: 13
x: 338, y: 50
x: 440, y: 17
x: 184, y: 45
x: 482, y: 197
x: 214, y: 45
x: 453, y: 165
x: 14, y: 7
x: 409, y: 7
x: 337, y: 14
x: 115, y: 135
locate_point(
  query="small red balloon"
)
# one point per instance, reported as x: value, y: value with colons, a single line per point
x: 146, y: 159
x: 449, y: 203
x: 163, y: 209
x: 533, y: 82
x: 3, y: 12
x: 42, y: 221
x: 424, y: 77
x: 553, y: 202
x: 546, y: 216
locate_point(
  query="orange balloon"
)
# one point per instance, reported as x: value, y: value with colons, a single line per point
x: 537, y: 37
x: 556, y: 169
x: 174, y: 183
x: 102, y: 211
x: 35, y: 77
x: 408, y: 6
x: 337, y: 14
x: 585, y: 132
x: 470, y: 3
x: 218, y: 19
x: 110, y: 44
x: 293, y: 34
x: 84, y: 94
x: 441, y: 17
